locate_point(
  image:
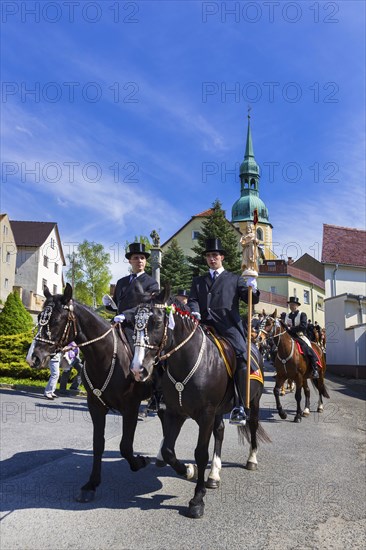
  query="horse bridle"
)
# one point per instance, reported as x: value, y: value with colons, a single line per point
x: 44, y: 323
x: 271, y: 334
x: 71, y: 322
x: 141, y: 321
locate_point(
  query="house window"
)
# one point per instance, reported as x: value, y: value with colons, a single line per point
x: 56, y: 268
x: 5, y: 230
x: 195, y: 235
x: 53, y: 244
x: 45, y: 261
x: 8, y: 257
x: 6, y: 283
x: 44, y: 283
x: 273, y: 289
x: 260, y: 234
x: 55, y: 289
x: 306, y: 297
x: 320, y: 302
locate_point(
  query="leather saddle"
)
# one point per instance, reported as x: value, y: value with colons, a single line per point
x: 225, y: 348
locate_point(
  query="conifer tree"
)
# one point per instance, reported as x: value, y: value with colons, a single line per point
x: 216, y: 225
x: 14, y: 318
x: 175, y: 269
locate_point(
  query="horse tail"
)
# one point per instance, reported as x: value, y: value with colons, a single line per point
x: 321, y: 388
x: 244, y: 434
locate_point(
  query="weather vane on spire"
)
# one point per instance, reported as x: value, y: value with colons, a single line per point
x: 249, y: 109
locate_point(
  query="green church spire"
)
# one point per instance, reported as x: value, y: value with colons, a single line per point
x: 243, y: 208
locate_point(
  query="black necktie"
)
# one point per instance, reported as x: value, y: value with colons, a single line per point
x: 133, y: 277
x: 214, y: 276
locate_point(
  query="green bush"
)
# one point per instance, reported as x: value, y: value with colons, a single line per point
x: 14, y: 318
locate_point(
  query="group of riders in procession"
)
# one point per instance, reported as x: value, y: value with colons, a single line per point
x: 193, y: 349
x: 214, y: 300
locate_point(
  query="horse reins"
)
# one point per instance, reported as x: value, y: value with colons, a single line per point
x: 71, y: 322
x: 283, y: 361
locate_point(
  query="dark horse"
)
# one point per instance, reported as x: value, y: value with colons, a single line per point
x: 196, y: 384
x: 106, y: 375
x: 291, y: 364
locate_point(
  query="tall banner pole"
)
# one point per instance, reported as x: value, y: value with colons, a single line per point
x: 249, y: 265
x: 249, y: 342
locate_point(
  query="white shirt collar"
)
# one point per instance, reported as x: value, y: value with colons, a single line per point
x: 219, y: 271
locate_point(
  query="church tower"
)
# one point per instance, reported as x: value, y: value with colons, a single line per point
x: 243, y: 208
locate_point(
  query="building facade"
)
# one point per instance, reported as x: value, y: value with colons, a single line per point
x: 8, y: 250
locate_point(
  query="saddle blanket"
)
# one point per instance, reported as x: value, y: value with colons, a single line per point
x: 300, y: 350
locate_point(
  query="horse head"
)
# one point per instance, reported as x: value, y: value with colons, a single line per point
x: 151, y: 320
x: 56, y: 326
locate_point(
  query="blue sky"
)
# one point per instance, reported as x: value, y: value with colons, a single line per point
x: 123, y: 117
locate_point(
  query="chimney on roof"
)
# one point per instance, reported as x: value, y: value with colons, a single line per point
x: 290, y: 260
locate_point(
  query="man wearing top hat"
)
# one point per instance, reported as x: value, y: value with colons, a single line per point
x: 214, y: 298
x: 182, y: 296
x: 125, y: 295
x: 297, y: 322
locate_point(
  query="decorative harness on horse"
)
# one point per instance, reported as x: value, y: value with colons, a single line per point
x: 141, y: 320
x: 283, y: 361
x: 43, y: 322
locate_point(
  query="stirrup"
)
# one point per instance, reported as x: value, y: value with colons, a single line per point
x: 315, y: 374
x: 238, y: 416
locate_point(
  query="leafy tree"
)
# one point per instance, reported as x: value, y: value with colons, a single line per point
x: 216, y: 225
x: 14, y: 318
x: 175, y: 269
x: 89, y: 272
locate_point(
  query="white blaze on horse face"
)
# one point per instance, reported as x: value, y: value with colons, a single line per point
x: 139, y: 355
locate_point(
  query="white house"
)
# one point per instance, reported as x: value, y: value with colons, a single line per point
x: 8, y: 250
x: 344, y: 259
x: 39, y: 261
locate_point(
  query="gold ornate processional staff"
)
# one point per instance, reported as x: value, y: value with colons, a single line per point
x: 249, y: 265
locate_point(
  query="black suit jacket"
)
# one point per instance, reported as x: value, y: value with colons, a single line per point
x: 125, y: 294
x: 218, y: 304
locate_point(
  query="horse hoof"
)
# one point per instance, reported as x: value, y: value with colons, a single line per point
x: 320, y: 409
x: 85, y: 495
x: 139, y: 462
x: 160, y: 463
x: 283, y: 415
x: 297, y: 418
x: 195, y: 511
x: 251, y: 466
x: 306, y: 413
x: 212, y: 483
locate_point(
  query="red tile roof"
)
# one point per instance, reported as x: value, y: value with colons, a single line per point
x: 204, y: 214
x: 31, y: 233
x: 344, y: 245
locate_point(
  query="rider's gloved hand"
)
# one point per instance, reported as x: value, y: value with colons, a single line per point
x: 196, y: 315
x: 252, y: 281
x: 119, y: 318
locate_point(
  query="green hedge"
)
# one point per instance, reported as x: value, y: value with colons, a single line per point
x: 13, y: 351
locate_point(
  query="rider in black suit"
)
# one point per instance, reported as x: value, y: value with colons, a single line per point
x: 214, y: 297
x: 125, y: 295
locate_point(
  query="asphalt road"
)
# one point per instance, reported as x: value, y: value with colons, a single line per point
x: 308, y: 491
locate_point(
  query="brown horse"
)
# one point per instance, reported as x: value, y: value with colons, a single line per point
x: 291, y: 364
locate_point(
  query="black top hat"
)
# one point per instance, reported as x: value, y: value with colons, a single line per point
x: 294, y: 300
x: 136, y: 248
x: 214, y: 245
x: 182, y: 292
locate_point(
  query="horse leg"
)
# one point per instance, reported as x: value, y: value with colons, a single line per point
x: 129, y: 424
x: 172, y: 427
x: 320, y: 408
x: 98, y: 415
x: 276, y: 392
x: 298, y: 414
x: 306, y: 411
x: 213, y: 480
x: 252, y: 463
x: 196, y: 504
